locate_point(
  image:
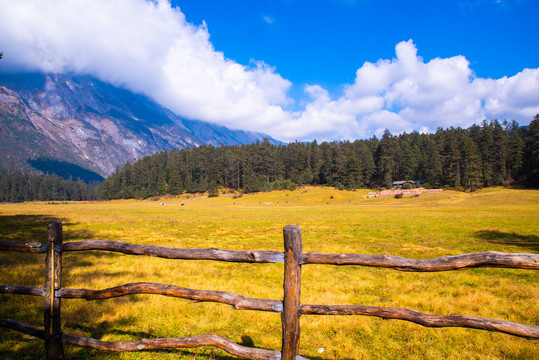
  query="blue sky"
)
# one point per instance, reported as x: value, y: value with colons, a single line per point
x: 296, y: 70
x: 326, y: 41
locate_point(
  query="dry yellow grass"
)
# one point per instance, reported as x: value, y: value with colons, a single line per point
x: 332, y: 221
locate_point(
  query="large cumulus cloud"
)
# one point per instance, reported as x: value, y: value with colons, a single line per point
x: 145, y: 46
x: 407, y: 94
x: 149, y: 47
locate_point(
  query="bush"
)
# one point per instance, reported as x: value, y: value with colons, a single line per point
x: 237, y: 196
x: 253, y: 183
x: 213, y: 191
x: 281, y: 185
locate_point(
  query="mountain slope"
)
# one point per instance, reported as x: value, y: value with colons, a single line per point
x: 84, y: 121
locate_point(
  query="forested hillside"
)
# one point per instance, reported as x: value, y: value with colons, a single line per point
x: 482, y: 155
x: 18, y: 187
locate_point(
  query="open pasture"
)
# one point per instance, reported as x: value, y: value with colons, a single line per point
x: 332, y: 221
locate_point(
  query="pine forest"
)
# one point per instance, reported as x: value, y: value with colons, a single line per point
x: 483, y: 155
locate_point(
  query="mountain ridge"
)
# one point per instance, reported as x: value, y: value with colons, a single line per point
x: 84, y: 121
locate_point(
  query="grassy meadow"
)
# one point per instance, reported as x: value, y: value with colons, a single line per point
x: 332, y: 221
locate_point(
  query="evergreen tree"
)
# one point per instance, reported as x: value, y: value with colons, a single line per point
x: 531, y: 155
x: 469, y: 161
x: 500, y: 153
x: 431, y: 163
x: 387, y: 159
x: 411, y: 158
x: 367, y: 164
x: 515, y: 156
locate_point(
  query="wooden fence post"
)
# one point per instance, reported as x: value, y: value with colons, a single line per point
x: 292, y: 292
x: 53, y: 331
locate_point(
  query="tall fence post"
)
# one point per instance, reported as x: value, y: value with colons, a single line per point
x: 292, y: 292
x: 53, y: 331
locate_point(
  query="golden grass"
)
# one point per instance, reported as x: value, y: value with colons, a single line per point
x: 332, y: 221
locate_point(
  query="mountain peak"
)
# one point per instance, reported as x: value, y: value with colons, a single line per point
x: 92, y: 124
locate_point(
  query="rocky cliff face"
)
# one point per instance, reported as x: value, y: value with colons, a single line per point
x: 81, y: 120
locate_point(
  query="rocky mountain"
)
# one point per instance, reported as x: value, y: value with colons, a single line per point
x: 79, y: 122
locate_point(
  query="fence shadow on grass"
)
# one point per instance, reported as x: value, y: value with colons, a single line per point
x: 529, y: 242
x: 33, y: 228
x: 27, y: 228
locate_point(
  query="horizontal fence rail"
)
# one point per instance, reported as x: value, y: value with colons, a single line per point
x: 175, y: 253
x: 473, y: 322
x: 237, y: 301
x: 28, y: 247
x: 290, y: 307
x: 151, y: 344
x: 445, y: 263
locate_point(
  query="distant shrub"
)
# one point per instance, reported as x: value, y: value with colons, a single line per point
x: 213, y: 190
x: 253, y: 183
x: 237, y: 196
x: 398, y: 196
x: 281, y: 185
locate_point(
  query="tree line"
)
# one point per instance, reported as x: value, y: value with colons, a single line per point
x: 18, y: 187
x: 488, y: 154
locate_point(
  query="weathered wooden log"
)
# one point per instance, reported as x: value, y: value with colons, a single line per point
x: 29, y: 247
x: 150, y: 344
x: 237, y: 301
x: 445, y: 263
x: 175, y: 253
x: 51, y: 305
x: 170, y: 343
x: 22, y: 328
x: 22, y: 290
x: 292, y: 292
x: 474, y: 322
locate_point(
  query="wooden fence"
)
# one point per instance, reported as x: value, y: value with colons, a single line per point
x: 290, y: 308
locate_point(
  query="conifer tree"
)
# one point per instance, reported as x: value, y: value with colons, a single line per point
x: 531, y: 156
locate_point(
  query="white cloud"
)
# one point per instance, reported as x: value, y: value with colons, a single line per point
x: 148, y: 47
x: 145, y: 46
x: 407, y: 94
